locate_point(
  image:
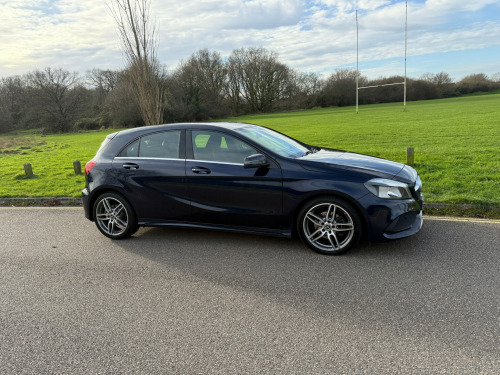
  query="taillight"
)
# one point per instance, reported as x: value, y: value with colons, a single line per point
x: 88, y: 167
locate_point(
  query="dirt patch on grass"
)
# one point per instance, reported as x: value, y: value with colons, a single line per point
x: 11, y: 143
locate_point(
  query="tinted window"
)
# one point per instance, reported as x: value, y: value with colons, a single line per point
x: 220, y: 147
x: 164, y: 145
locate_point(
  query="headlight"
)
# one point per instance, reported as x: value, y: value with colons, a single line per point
x: 388, y: 189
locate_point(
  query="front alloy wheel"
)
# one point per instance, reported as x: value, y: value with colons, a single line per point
x: 114, y: 216
x: 329, y: 226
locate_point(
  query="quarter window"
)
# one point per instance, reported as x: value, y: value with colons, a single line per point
x: 131, y: 151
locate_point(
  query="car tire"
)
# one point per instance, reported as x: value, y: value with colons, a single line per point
x: 114, y: 216
x: 329, y: 225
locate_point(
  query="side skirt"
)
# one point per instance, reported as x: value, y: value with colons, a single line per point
x: 225, y: 228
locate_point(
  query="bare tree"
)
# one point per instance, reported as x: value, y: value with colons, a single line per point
x: 495, y: 77
x: 101, y: 84
x: 260, y: 76
x: 340, y: 88
x: 234, y: 86
x: 443, y: 84
x: 140, y: 42
x: 103, y: 81
x: 300, y: 91
x: 13, y: 103
x: 56, y: 95
x: 474, y: 83
x: 120, y: 107
x: 197, y: 88
x: 210, y: 73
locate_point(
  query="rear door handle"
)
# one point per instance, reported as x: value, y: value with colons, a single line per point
x: 201, y: 170
x: 131, y: 166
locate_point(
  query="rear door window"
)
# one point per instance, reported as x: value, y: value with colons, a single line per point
x: 163, y: 145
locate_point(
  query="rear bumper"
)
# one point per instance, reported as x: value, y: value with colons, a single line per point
x: 86, y: 199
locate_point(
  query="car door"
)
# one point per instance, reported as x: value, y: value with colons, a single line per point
x: 152, y: 170
x: 222, y: 191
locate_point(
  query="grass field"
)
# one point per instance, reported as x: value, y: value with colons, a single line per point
x: 456, y: 141
x: 52, y: 159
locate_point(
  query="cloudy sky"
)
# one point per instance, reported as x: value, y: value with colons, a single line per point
x: 459, y: 37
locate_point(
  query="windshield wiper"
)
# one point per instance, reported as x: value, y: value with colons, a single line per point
x: 312, y: 150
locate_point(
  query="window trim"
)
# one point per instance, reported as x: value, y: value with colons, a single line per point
x: 213, y: 162
x: 145, y: 158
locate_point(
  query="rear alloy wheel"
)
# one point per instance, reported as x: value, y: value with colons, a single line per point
x: 114, y: 216
x: 329, y: 225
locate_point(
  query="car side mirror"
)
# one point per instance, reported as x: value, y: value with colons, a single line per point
x: 255, y: 161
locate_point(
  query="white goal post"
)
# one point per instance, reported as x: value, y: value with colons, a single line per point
x: 387, y: 84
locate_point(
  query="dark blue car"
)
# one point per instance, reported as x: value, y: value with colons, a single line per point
x: 247, y: 178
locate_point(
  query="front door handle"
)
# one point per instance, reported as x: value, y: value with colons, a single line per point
x: 131, y: 166
x: 201, y: 170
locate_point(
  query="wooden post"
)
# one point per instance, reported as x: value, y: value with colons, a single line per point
x: 410, y: 156
x: 28, y: 170
x: 77, y: 166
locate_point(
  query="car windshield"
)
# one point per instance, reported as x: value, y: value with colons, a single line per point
x: 274, y: 141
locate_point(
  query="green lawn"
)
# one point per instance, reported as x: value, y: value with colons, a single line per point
x: 52, y: 159
x: 456, y: 141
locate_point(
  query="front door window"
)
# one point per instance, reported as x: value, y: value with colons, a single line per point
x: 219, y: 147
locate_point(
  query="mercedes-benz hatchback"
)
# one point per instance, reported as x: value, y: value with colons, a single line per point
x: 248, y: 178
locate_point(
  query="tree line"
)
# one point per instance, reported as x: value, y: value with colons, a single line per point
x: 204, y: 87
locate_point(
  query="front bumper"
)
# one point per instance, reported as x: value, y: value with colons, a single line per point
x: 405, y: 225
x: 392, y: 219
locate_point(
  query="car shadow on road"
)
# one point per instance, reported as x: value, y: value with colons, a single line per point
x: 283, y: 267
x: 161, y: 241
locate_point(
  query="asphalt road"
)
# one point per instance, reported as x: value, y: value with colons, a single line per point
x: 178, y: 301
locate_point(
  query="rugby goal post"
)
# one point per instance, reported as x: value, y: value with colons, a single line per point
x: 387, y: 84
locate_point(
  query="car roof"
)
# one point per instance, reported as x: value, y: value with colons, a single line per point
x: 183, y: 125
x: 124, y: 136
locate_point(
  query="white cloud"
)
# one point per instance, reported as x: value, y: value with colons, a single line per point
x: 34, y: 37
x: 349, y: 6
x: 445, y: 6
x: 258, y: 14
x: 309, y: 35
x: 231, y: 14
